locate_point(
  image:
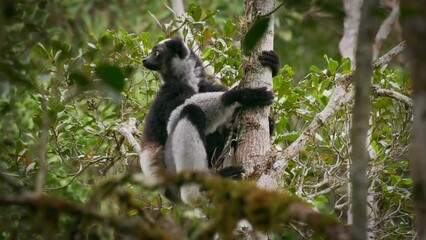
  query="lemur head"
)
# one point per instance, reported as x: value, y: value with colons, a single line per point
x: 173, y: 59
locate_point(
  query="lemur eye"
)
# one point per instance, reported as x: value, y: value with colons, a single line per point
x: 156, y: 53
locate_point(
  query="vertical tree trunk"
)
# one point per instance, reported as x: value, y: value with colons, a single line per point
x: 254, y: 144
x: 177, y: 6
x: 361, y: 113
x: 413, y: 16
x: 350, y: 29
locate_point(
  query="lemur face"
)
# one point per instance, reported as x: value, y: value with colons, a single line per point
x: 163, y: 53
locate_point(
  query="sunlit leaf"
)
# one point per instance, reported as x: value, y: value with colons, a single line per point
x: 195, y: 11
x: 230, y: 27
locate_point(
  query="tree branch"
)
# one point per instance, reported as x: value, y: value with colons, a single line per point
x: 380, y: 92
x: 127, y: 129
x: 126, y: 225
x: 44, y: 138
x: 339, y: 98
x: 264, y: 209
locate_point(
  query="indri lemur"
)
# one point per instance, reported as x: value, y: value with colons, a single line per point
x: 183, y: 76
x: 191, y: 122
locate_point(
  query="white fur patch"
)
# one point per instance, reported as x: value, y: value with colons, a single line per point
x: 211, y: 104
x: 191, y: 194
x: 146, y: 163
x: 184, y: 70
x: 189, y: 154
x: 188, y: 149
x: 163, y: 41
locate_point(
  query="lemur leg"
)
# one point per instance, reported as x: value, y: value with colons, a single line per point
x: 188, y: 146
x: 152, y: 161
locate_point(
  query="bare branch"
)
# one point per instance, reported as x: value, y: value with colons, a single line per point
x: 42, y: 151
x: 387, y: 25
x: 380, y: 92
x: 127, y: 130
x: 385, y: 59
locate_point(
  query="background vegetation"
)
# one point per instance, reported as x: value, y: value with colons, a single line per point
x: 70, y: 72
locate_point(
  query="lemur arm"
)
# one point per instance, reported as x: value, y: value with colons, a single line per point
x: 250, y: 97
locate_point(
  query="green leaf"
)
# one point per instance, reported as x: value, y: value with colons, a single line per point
x: 195, y: 11
x: 255, y: 34
x: 230, y: 27
x: 332, y: 64
x: 111, y: 76
x: 315, y: 69
x: 292, y: 136
x: 346, y: 65
x: 407, y: 181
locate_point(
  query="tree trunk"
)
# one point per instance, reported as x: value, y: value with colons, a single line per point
x: 350, y: 29
x: 361, y: 113
x: 253, y: 142
x: 413, y: 16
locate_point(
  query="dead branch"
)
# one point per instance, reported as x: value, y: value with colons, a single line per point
x: 127, y: 129
x: 386, y: 26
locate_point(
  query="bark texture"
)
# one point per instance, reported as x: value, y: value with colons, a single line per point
x: 350, y: 29
x: 413, y: 19
x: 253, y: 144
x: 361, y: 113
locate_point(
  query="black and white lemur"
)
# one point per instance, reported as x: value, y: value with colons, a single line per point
x: 183, y: 76
x: 191, y: 122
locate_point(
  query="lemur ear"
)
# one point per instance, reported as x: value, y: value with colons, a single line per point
x: 178, y: 46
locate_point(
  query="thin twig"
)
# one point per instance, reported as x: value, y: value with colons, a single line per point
x: 273, y: 11
x: 42, y: 151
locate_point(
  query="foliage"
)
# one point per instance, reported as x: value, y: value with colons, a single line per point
x: 70, y: 81
x: 320, y: 173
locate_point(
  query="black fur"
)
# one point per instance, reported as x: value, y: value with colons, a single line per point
x: 169, y: 97
x: 178, y: 47
x: 215, y: 143
x: 249, y: 97
x: 196, y: 116
x: 234, y: 172
x: 174, y: 91
x: 270, y: 59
